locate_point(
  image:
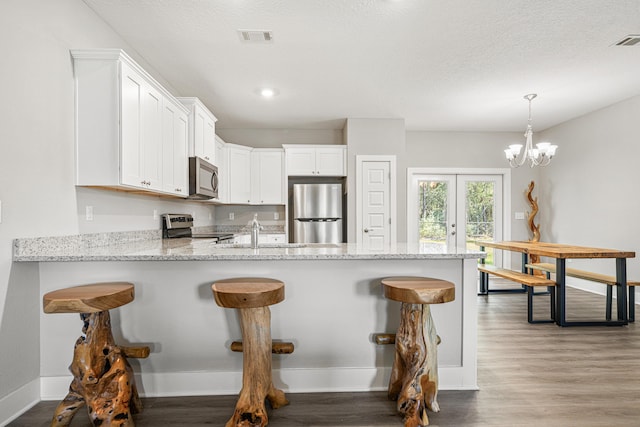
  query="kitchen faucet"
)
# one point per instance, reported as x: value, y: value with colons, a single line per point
x: 255, y: 231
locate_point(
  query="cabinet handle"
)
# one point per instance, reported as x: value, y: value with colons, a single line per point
x: 206, y: 157
x: 179, y: 190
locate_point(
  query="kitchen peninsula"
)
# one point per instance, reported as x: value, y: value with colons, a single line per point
x: 333, y: 304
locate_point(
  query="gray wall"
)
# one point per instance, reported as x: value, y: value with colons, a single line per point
x: 589, y: 192
x: 37, y: 167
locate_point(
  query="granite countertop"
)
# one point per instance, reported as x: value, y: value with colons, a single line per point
x: 149, y: 246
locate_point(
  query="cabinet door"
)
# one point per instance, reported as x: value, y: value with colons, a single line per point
x: 301, y: 161
x: 131, y: 164
x: 151, y: 121
x: 267, y: 177
x: 209, y: 149
x: 174, y: 150
x: 223, y: 168
x: 239, y: 175
x: 204, y: 133
x: 330, y: 161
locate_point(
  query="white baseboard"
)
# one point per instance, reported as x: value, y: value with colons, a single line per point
x: 290, y: 380
x: 19, y: 401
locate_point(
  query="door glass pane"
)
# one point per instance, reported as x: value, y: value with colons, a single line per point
x: 479, y: 214
x: 432, y: 212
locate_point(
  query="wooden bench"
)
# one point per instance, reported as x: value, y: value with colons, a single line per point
x: 528, y: 280
x: 594, y: 277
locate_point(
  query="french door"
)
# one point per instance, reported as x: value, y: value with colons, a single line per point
x: 455, y: 210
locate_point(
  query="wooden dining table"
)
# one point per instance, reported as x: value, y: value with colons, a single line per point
x: 562, y: 252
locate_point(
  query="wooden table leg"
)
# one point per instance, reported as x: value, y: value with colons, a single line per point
x: 102, y: 378
x: 257, y: 383
x: 414, y: 377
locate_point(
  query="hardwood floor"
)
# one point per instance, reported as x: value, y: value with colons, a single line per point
x: 529, y: 375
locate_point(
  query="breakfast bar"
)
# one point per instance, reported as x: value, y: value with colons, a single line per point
x: 333, y: 307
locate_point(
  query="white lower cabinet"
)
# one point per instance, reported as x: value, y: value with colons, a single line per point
x: 129, y: 127
x: 272, y: 238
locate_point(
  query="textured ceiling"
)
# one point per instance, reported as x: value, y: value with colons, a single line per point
x: 441, y: 65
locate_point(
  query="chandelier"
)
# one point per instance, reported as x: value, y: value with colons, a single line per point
x: 539, y: 156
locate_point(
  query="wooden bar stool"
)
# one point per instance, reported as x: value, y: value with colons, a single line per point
x: 102, y: 376
x: 252, y: 296
x: 414, y: 377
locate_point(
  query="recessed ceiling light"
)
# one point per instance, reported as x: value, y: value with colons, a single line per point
x: 268, y: 92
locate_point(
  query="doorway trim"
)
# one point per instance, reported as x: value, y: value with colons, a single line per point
x: 360, y: 159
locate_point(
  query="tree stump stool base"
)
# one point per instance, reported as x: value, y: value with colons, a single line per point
x: 414, y: 377
x: 102, y: 376
x: 251, y: 297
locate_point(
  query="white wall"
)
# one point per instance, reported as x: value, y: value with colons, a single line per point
x: 589, y: 192
x: 37, y: 169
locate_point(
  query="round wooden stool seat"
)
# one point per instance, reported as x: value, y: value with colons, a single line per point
x: 418, y: 290
x: 248, y: 292
x: 88, y: 298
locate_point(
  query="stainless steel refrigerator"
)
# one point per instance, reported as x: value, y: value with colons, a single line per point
x: 317, y: 213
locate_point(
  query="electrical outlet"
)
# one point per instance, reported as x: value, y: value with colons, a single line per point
x: 155, y: 214
x: 519, y: 215
x: 210, y: 216
x: 88, y: 212
x: 276, y: 215
x: 232, y: 216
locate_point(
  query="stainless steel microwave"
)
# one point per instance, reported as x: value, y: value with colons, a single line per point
x: 203, y: 179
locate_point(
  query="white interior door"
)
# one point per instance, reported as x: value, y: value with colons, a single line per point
x: 375, y: 202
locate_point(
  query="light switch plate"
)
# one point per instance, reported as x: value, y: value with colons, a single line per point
x: 519, y: 215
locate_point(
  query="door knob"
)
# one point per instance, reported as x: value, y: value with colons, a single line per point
x: 453, y: 233
x: 366, y: 230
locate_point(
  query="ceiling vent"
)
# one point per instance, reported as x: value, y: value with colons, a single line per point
x: 630, y: 40
x: 256, y: 36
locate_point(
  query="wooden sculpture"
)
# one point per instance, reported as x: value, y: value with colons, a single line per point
x: 252, y: 296
x: 257, y: 383
x: 102, y: 378
x: 535, y: 229
x: 414, y: 377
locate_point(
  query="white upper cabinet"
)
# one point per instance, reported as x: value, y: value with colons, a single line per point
x: 267, y: 176
x: 239, y: 173
x: 316, y: 160
x: 223, y: 168
x: 202, y: 130
x: 126, y: 122
x: 175, y: 123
